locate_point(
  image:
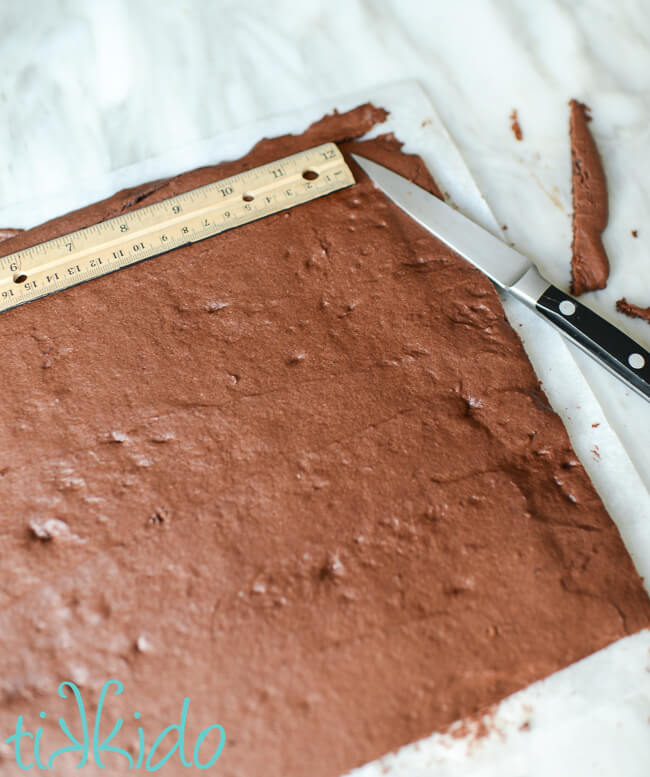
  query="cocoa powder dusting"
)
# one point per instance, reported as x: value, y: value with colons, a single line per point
x: 306, y: 469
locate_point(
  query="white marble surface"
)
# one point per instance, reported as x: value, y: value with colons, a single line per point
x: 89, y: 87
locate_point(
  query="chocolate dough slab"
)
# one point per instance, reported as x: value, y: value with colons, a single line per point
x: 589, y: 263
x: 302, y: 473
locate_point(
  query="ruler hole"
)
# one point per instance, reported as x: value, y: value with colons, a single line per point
x: 20, y: 278
x: 310, y: 175
x: 248, y: 198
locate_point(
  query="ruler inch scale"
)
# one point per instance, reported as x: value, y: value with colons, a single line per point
x: 194, y: 215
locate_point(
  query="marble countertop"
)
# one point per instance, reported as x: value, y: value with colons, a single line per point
x: 89, y: 88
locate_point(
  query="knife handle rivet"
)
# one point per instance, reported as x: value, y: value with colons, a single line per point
x: 567, y: 308
x: 636, y: 361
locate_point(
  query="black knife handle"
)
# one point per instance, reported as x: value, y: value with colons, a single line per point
x: 618, y: 352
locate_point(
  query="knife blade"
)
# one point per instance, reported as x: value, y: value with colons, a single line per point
x: 509, y: 270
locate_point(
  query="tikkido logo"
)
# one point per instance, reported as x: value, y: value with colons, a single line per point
x: 28, y: 746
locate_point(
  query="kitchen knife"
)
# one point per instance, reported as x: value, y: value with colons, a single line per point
x: 515, y: 273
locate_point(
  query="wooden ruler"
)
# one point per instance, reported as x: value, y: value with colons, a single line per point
x: 187, y: 218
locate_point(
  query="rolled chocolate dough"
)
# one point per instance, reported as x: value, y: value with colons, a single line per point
x: 632, y: 310
x: 6, y: 233
x: 302, y: 473
x: 589, y: 263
